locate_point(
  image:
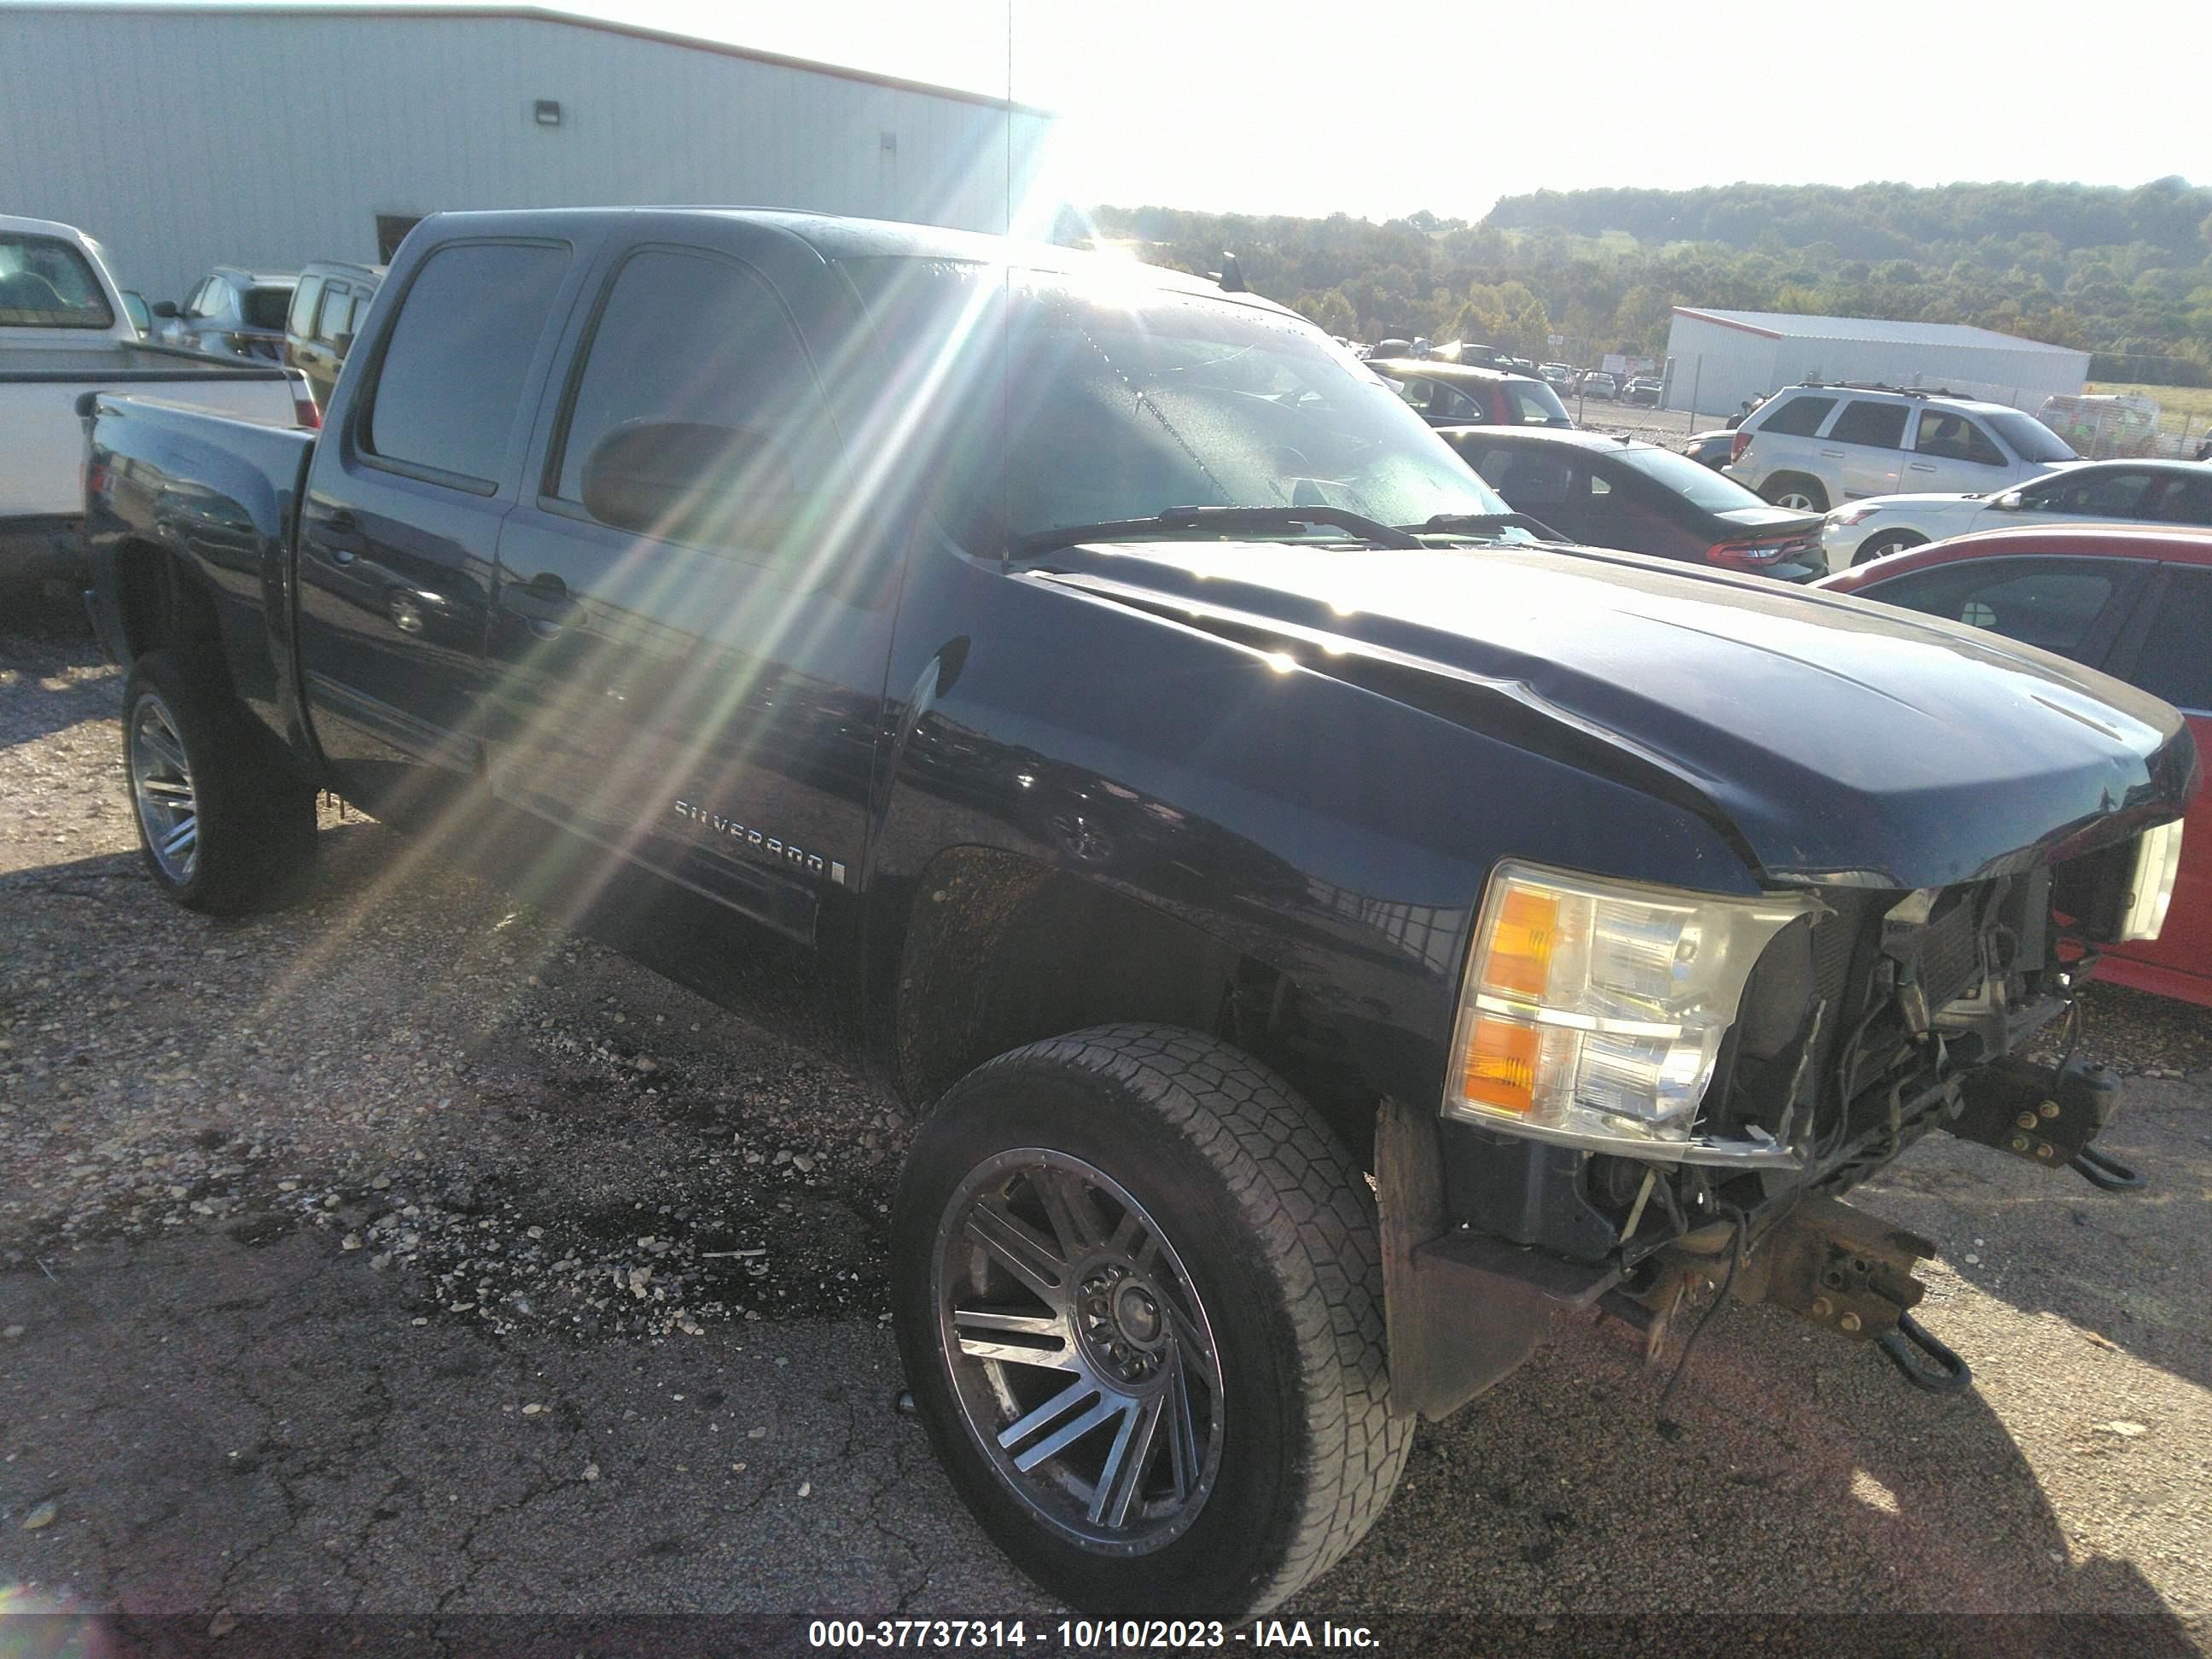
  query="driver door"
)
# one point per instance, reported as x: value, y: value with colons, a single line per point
x: 685, y: 674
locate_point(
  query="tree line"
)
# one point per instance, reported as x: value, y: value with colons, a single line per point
x: 2124, y: 273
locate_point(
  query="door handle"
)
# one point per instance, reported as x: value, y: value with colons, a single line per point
x: 543, y: 601
x: 338, y: 533
x: 1833, y: 454
x: 1922, y: 466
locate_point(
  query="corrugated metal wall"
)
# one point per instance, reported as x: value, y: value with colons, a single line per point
x: 1719, y: 365
x: 1727, y: 365
x: 183, y: 142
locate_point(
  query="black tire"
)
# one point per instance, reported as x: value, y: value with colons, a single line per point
x: 252, y: 822
x: 1884, y: 543
x: 1269, y: 1222
x: 1797, y: 491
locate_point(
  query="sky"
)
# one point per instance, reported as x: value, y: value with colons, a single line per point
x: 1385, y: 107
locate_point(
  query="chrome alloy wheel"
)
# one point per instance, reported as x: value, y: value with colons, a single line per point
x: 162, y: 788
x: 1796, y: 500
x: 1083, y: 1362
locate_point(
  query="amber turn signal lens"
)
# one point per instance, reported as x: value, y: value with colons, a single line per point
x: 1517, y: 957
x: 1501, y: 1064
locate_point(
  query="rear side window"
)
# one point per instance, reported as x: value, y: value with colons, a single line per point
x: 302, y: 315
x: 697, y: 416
x: 451, y: 382
x: 1879, y: 426
x: 1800, y: 417
x: 2176, y: 662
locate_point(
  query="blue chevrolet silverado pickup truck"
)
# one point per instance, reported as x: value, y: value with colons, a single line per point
x: 1328, y: 928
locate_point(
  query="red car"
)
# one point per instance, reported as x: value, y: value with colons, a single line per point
x: 2136, y: 604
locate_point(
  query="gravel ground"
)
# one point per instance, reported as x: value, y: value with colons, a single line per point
x: 416, y: 1251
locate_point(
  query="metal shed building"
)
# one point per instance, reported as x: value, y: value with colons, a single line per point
x: 1717, y: 359
x: 189, y: 136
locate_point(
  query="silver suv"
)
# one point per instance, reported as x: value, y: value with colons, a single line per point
x: 1811, y: 446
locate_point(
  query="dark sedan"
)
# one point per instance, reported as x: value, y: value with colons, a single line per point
x: 1615, y: 492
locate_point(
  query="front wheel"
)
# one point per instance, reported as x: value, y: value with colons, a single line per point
x: 1138, y: 1296
x: 1884, y: 544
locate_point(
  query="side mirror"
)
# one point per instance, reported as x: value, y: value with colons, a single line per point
x: 164, y: 308
x: 2010, y: 501
x: 693, y: 482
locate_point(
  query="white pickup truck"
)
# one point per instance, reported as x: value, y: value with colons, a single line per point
x: 64, y: 331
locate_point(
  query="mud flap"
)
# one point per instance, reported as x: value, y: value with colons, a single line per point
x: 1464, y: 1309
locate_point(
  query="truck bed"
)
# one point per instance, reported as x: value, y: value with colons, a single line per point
x: 42, y: 463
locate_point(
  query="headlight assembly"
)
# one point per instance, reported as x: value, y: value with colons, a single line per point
x: 1593, y: 1010
x: 2150, y: 883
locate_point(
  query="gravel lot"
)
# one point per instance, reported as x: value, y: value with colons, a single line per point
x: 418, y: 1251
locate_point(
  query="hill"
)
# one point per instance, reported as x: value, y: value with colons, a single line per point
x: 2124, y: 273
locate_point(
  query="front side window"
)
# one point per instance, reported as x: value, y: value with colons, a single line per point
x: 1066, y: 400
x: 46, y: 283
x: 1878, y: 426
x: 1953, y: 437
x: 450, y: 385
x: 2175, y: 663
x: 2102, y: 493
x: 1798, y: 417
x: 697, y: 416
x: 2053, y: 604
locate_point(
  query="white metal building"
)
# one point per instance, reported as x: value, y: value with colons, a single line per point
x: 188, y: 137
x: 1717, y: 359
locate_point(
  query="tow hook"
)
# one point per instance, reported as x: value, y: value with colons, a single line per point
x: 2045, y: 1116
x: 1851, y: 1274
x: 1951, y: 1373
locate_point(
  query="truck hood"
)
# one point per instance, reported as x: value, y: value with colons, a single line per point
x: 1835, y: 740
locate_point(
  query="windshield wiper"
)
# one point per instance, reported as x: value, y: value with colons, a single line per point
x: 1484, y: 525
x: 1215, y: 521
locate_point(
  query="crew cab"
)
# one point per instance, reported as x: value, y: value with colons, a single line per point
x: 66, y: 329
x: 1329, y: 929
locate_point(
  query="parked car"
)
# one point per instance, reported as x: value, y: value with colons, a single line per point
x: 1815, y: 447
x: 1470, y: 354
x: 1644, y: 391
x: 2136, y: 604
x: 328, y: 306
x: 1610, y: 915
x: 1453, y: 394
x: 1610, y: 492
x: 1561, y: 377
x: 66, y: 329
x: 231, y: 314
x: 1596, y: 383
x: 1712, y: 448
x: 2095, y: 492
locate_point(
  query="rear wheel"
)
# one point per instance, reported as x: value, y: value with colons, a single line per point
x: 1796, y: 492
x: 1884, y: 542
x: 1138, y: 1297
x: 222, y: 825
